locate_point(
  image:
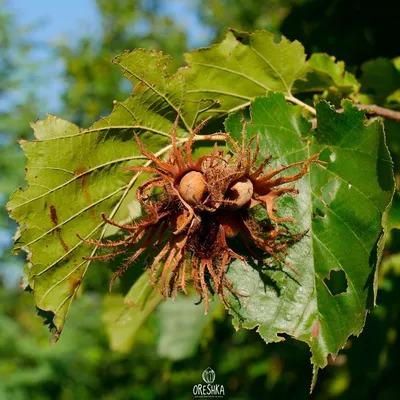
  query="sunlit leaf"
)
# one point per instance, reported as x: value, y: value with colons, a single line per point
x: 242, y: 67
x: 74, y: 175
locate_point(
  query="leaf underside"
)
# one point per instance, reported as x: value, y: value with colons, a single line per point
x: 74, y: 175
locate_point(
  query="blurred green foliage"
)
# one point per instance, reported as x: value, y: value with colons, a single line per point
x: 16, y: 112
x: 82, y: 365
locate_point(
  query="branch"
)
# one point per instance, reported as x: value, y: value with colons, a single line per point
x: 372, y: 109
x: 380, y: 111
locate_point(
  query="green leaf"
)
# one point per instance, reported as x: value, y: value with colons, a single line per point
x: 182, y: 325
x: 394, y: 213
x: 124, y: 316
x: 245, y: 66
x: 157, y: 96
x: 74, y: 175
x: 380, y: 80
x: 326, y: 75
x: 341, y: 204
x: 53, y: 127
x: 242, y: 67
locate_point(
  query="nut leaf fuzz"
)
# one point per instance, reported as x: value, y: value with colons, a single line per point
x: 342, y: 203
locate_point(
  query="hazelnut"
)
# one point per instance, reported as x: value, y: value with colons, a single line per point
x: 240, y: 192
x: 193, y: 187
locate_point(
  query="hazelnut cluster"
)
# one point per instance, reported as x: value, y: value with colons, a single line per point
x: 191, y: 210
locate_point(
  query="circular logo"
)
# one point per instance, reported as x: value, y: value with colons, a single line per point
x: 208, y: 375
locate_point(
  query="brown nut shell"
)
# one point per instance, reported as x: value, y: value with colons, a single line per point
x: 193, y: 187
x: 240, y: 192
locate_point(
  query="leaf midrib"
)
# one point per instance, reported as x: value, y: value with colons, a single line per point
x: 112, y: 214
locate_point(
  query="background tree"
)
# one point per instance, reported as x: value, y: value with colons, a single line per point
x: 16, y: 112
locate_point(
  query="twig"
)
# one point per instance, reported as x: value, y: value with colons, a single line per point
x: 372, y: 109
x: 380, y: 111
x: 295, y: 100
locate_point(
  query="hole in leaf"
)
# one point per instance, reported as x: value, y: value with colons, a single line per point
x: 336, y: 282
x: 48, y: 317
x: 327, y: 155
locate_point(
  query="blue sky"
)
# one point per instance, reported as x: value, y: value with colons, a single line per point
x: 57, y: 19
x: 68, y: 20
x: 53, y: 21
